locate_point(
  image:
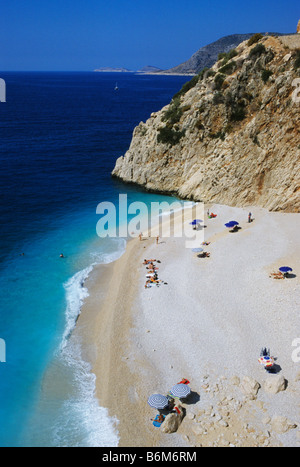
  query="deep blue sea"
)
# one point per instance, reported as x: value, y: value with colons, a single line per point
x: 60, y: 135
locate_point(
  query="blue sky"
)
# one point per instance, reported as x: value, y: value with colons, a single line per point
x: 81, y: 35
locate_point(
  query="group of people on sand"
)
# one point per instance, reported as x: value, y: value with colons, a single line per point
x: 277, y: 275
x: 152, y: 273
x: 211, y: 215
x: 171, y: 407
x: 204, y: 254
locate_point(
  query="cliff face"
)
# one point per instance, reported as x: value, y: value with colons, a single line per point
x: 207, y: 55
x: 233, y: 138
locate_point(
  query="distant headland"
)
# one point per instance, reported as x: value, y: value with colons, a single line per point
x: 113, y: 70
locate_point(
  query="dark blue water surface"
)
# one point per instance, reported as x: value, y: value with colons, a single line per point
x: 60, y: 135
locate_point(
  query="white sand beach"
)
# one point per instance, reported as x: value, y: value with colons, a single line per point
x: 207, y: 324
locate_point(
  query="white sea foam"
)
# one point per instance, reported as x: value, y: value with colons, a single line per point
x: 76, y: 292
x: 82, y: 420
x: 186, y: 205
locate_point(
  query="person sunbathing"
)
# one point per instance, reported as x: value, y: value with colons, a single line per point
x: 204, y: 255
x: 277, y: 275
x: 159, y: 418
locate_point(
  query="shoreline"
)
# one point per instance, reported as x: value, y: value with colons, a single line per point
x: 132, y: 357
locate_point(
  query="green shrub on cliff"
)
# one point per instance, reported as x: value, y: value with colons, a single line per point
x: 254, y: 39
x: 265, y: 75
x: 186, y: 87
x: 297, y: 61
x: 174, y: 112
x: 225, y: 57
x: 219, y: 80
x: 167, y: 135
x: 257, y: 51
x: 238, y: 113
x: 229, y: 68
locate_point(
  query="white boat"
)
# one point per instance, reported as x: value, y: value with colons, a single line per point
x: 116, y: 87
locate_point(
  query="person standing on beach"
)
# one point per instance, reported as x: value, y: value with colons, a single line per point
x: 157, y: 238
x: 249, y: 217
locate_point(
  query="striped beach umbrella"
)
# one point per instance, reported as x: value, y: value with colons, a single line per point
x: 158, y: 401
x: 180, y: 390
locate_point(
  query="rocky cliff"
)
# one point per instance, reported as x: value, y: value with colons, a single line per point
x: 207, y: 55
x: 231, y: 135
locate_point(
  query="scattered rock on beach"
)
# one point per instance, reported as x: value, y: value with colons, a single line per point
x: 275, y: 384
x: 173, y: 421
x: 249, y: 387
x: 281, y: 424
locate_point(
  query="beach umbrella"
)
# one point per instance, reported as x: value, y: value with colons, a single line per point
x: 158, y: 401
x: 285, y: 269
x: 266, y: 361
x: 197, y: 250
x: 231, y: 224
x: 195, y: 221
x: 180, y: 390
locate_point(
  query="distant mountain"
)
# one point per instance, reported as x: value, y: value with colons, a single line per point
x: 108, y: 69
x: 150, y: 69
x: 208, y: 55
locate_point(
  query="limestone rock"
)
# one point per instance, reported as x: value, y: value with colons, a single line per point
x: 298, y: 27
x: 249, y: 387
x: 275, y: 384
x: 173, y: 421
x: 281, y: 424
x: 234, y: 141
x: 235, y: 380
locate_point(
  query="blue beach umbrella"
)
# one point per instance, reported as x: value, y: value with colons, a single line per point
x: 231, y: 224
x: 158, y: 401
x: 234, y: 223
x: 285, y: 269
x: 196, y: 221
x: 197, y: 250
x: 180, y: 390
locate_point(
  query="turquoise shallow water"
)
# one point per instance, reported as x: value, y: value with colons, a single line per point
x: 60, y: 135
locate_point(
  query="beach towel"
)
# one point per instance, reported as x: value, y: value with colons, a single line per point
x: 184, y: 381
x: 156, y: 423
